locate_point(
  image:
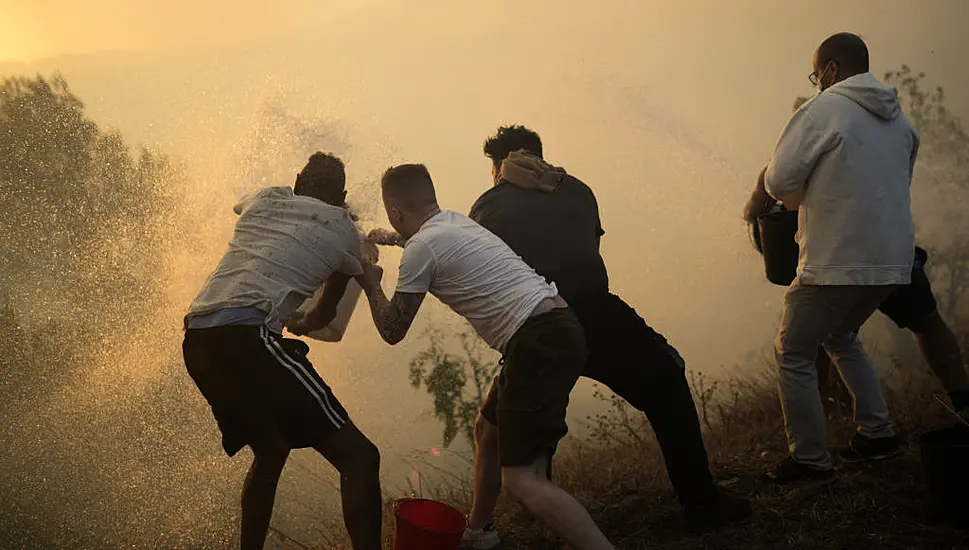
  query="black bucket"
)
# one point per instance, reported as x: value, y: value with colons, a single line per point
x: 945, y: 457
x: 778, y: 244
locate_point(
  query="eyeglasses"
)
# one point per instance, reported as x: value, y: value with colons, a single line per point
x: 814, y: 78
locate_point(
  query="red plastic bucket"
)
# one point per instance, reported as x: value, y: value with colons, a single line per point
x: 427, y: 525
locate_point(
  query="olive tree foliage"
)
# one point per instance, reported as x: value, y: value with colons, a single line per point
x: 456, y: 371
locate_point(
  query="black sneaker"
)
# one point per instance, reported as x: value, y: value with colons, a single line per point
x: 728, y: 509
x: 866, y: 449
x: 790, y: 471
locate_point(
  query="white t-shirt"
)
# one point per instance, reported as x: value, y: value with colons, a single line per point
x: 475, y: 273
x: 284, y: 247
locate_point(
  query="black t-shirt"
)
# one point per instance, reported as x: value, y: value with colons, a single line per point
x: 556, y: 233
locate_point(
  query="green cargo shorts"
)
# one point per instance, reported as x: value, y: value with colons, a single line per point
x: 529, y: 397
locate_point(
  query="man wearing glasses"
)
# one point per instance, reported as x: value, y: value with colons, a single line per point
x: 845, y: 162
x: 912, y: 307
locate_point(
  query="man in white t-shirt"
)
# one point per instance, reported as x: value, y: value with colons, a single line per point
x: 263, y: 391
x: 516, y: 312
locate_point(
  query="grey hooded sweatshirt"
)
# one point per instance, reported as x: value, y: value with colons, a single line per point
x: 852, y: 152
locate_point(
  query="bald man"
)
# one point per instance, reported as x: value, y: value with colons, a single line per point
x: 912, y: 307
x: 845, y: 162
x: 517, y: 313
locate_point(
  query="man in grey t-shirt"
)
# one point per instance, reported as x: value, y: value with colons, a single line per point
x: 262, y: 388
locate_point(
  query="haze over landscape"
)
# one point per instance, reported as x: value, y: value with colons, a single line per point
x: 668, y: 110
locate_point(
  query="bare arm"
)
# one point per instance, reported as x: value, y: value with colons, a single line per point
x: 393, y: 317
x: 760, y: 201
x: 323, y: 311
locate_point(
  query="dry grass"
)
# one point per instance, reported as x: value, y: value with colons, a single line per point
x: 618, y: 474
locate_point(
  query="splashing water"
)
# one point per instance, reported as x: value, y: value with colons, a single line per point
x: 110, y: 444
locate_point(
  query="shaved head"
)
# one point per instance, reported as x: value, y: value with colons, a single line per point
x: 847, y: 50
x: 409, y: 187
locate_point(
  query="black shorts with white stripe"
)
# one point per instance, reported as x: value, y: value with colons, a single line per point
x: 261, y: 387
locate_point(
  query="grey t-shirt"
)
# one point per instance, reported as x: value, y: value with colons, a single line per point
x: 556, y: 233
x: 283, y: 249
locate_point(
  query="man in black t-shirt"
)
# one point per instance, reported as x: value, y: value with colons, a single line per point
x: 551, y: 220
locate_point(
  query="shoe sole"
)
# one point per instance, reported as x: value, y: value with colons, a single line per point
x: 875, y: 458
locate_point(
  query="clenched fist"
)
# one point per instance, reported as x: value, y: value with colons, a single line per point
x: 371, y: 277
x: 385, y: 237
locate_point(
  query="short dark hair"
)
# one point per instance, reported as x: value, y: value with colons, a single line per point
x: 410, y: 186
x: 510, y: 139
x: 323, y: 172
x: 848, y: 50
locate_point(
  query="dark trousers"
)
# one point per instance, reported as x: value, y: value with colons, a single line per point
x: 639, y: 365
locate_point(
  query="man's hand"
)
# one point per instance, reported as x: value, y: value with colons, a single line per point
x: 393, y: 317
x: 385, y: 237
x: 303, y: 322
x: 760, y: 201
x: 371, y: 277
x: 297, y: 324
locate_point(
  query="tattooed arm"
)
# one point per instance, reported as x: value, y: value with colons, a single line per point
x: 392, y: 317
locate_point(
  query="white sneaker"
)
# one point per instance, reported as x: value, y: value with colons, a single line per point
x: 485, y: 538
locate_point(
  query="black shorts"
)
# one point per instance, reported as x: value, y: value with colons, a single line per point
x: 261, y: 387
x: 909, y: 305
x: 530, y: 395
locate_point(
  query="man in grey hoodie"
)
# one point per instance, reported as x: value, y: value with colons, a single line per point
x: 912, y: 307
x: 845, y: 162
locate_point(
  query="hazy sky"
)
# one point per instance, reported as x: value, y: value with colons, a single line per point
x: 668, y: 109
x: 35, y: 29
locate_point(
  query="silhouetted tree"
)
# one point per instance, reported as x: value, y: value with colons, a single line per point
x: 944, y: 168
x: 81, y: 217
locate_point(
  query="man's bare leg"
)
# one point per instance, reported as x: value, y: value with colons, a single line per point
x: 259, y: 491
x: 487, y: 474
x: 358, y: 461
x: 941, y: 351
x: 556, y: 508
